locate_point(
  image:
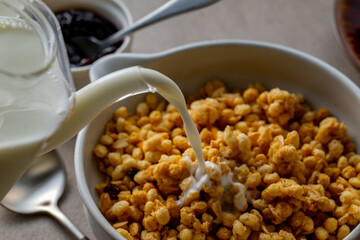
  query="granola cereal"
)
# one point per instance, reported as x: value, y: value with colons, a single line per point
x: 284, y: 171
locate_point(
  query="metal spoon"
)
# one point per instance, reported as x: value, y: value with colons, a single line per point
x: 39, y: 190
x: 91, y: 45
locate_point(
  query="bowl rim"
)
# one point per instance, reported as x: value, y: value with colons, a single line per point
x: 91, y: 206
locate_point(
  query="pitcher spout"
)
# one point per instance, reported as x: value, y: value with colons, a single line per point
x: 92, y: 99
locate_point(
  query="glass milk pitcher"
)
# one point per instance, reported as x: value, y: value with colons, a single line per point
x: 36, y: 89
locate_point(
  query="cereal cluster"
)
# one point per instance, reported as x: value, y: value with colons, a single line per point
x: 293, y: 171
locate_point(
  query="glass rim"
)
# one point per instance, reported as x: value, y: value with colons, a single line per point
x: 50, y: 54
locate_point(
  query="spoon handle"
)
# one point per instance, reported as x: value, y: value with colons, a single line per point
x: 171, y: 8
x: 54, y: 211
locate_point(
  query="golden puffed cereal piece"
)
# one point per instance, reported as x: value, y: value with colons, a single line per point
x: 271, y: 178
x: 199, y: 236
x: 142, y: 109
x: 130, y: 127
x: 121, y: 142
x: 348, y: 172
x: 150, y: 223
x: 121, y: 112
x: 336, y: 148
x: 228, y: 117
x: 162, y: 216
x: 191, y: 196
x: 343, y: 231
x: 231, y: 99
x: 135, y: 213
x: 151, y: 100
x: 212, y: 89
x: 125, y: 233
x: 172, y: 233
x: 253, y: 180
x: 105, y: 202
x: 134, y: 229
x: 142, y: 176
x: 286, y: 235
x: 354, y: 160
x: 321, y: 233
x: 308, y: 225
x: 265, y: 168
x: 283, y: 156
x: 106, y: 139
x: 250, y: 220
x: 239, y: 193
x: 279, y: 105
x: 152, y: 156
x: 168, y: 173
x: 142, y: 121
x: 115, y: 158
x: 238, y: 145
x: 250, y: 95
x: 124, y: 195
x: 283, y: 188
x: 205, y: 112
x: 319, y: 178
x: 228, y: 219
x: 172, y: 207
x: 215, y: 205
x: 100, y: 150
x: 187, y: 216
x: 199, y: 207
x: 223, y: 233
x: 120, y: 124
x: 120, y: 208
x: 346, y: 197
x: 330, y: 129
x: 297, y: 219
x: 355, y: 182
x: 156, y: 143
x: 280, y: 212
x: 241, y: 231
x: 264, y: 236
x: 181, y: 142
x: 242, y: 110
x: 185, y: 234
x: 143, y: 165
x: 331, y: 224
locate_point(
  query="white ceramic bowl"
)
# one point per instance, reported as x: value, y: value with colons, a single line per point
x: 235, y: 62
x: 114, y: 11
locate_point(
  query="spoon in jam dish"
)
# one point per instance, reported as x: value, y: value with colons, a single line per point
x: 90, y: 46
x: 39, y: 190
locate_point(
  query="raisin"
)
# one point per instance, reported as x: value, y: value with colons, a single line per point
x: 132, y: 172
x: 112, y: 190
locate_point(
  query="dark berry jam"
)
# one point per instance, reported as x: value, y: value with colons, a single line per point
x: 112, y: 190
x: 81, y: 22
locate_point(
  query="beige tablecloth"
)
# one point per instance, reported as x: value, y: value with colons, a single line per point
x: 306, y: 25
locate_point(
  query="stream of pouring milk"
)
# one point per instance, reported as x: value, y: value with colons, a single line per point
x: 31, y: 108
x: 172, y: 93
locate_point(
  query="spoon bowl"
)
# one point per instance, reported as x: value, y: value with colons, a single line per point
x: 91, y: 46
x: 39, y: 190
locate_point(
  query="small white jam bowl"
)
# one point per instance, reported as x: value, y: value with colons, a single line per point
x: 114, y: 11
